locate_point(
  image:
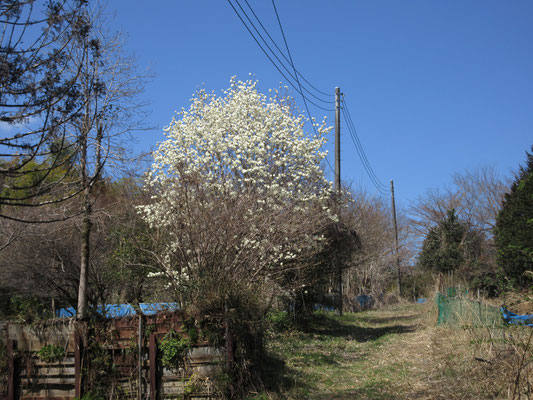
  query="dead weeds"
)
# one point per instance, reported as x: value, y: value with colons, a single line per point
x: 400, y: 353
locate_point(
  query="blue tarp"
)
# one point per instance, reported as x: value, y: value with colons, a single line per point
x: 322, y: 307
x: 516, y: 319
x: 122, y: 310
x: 421, y: 301
x: 365, y: 300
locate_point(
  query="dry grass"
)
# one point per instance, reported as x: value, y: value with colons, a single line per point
x: 400, y: 353
x: 467, y: 361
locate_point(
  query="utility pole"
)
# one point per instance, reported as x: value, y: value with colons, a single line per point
x: 338, y: 140
x: 338, y: 183
x: 396, y: 238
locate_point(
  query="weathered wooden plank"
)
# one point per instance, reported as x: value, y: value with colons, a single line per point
x: 51, y: 380
x: 54, y: 371
x: 32, y: 340
x: 65, y: 362
x: 47, y: 397
x: 49, y: 393
x: 205, y: 354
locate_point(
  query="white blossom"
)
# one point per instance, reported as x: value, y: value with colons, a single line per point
x: 223, y: 149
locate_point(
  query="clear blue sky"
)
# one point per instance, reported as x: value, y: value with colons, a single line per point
x: 434, y: 87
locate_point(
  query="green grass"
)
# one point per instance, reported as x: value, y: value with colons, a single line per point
x: 338, y: 358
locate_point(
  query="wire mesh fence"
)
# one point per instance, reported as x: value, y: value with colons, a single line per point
x: 454, y: 308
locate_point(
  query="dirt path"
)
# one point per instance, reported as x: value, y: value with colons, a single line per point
x: 371, y: 355
x: 399, y: 353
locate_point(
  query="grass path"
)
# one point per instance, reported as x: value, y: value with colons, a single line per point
x: 370, y: 355
x: 399, y: 353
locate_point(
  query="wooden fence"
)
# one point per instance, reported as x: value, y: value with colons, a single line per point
x: 120, y: 355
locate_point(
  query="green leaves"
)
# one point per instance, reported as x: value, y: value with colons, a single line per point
x: 514, y: 228
x: 449, y: 246
x: 173, y: 348
x: 51, y: 353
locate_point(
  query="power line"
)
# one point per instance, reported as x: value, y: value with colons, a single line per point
x: 359, y: 148
x: 292, y: 64
x: 295, y: 76
x: 296, y: 73
x: 274, y: 54
x: 285, y: 57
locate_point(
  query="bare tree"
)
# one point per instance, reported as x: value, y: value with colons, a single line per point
x: 110, y: 86
x: 370, y: 269
x: 71, y: 102
x: 475, y: 196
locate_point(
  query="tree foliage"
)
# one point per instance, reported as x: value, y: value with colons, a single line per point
x: 67, y: 91
x: 239, y: 193
x: 476, y: 197
x: 40, y: 95
x: 449, y: 246
x: 514, y: 226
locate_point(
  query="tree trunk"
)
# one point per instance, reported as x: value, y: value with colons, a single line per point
x: 85, y: 255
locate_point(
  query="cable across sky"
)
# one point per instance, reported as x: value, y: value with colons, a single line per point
x: 285, y: 65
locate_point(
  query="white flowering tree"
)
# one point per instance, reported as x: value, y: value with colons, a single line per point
x: 239, y: 193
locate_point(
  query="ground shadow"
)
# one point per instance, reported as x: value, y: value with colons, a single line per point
x: 384, y: 320
x: 324, y: 325
x: 365, y: 393
x: 279, y: 378
x: 275, y: 375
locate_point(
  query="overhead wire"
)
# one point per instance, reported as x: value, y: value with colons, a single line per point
x: 360, y: 150
x: 297, y: 84
x: 294, y: 68
x: 289, y: 60
x: 377, y: 184
x: 300, y: 91
x: 299, y: 88
x: 285, y: 57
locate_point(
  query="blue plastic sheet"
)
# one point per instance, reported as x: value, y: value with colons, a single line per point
x: 365, y: 301
x: 516, y: 319
x: 422, y: 301
x: 322, y: 307
x: 122, y: 310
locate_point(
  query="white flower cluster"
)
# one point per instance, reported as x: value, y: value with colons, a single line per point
x: 240, y: 144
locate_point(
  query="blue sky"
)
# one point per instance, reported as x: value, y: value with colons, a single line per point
x: 434, y: 87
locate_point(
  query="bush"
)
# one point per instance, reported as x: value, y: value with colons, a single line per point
x: 174, y: 348
x: 51, y: 353
x: 280, y: 321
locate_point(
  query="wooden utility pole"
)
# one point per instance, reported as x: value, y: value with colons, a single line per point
x: 396, y: 238
x: 338, y: 140
x: 338, y: 183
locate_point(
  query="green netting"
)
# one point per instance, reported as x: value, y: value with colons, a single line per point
x: 461, y: 311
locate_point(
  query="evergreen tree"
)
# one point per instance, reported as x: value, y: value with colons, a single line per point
x: 449, y: 246
x: 514, y: 226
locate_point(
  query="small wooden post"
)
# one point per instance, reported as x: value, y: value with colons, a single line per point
x: 140, y: 361
x: 230, y: 354
x: 78, y: 348
x: 153, y: 366
x: 12, y: 372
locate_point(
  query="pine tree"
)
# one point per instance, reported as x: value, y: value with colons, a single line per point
x: 514, y: 226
